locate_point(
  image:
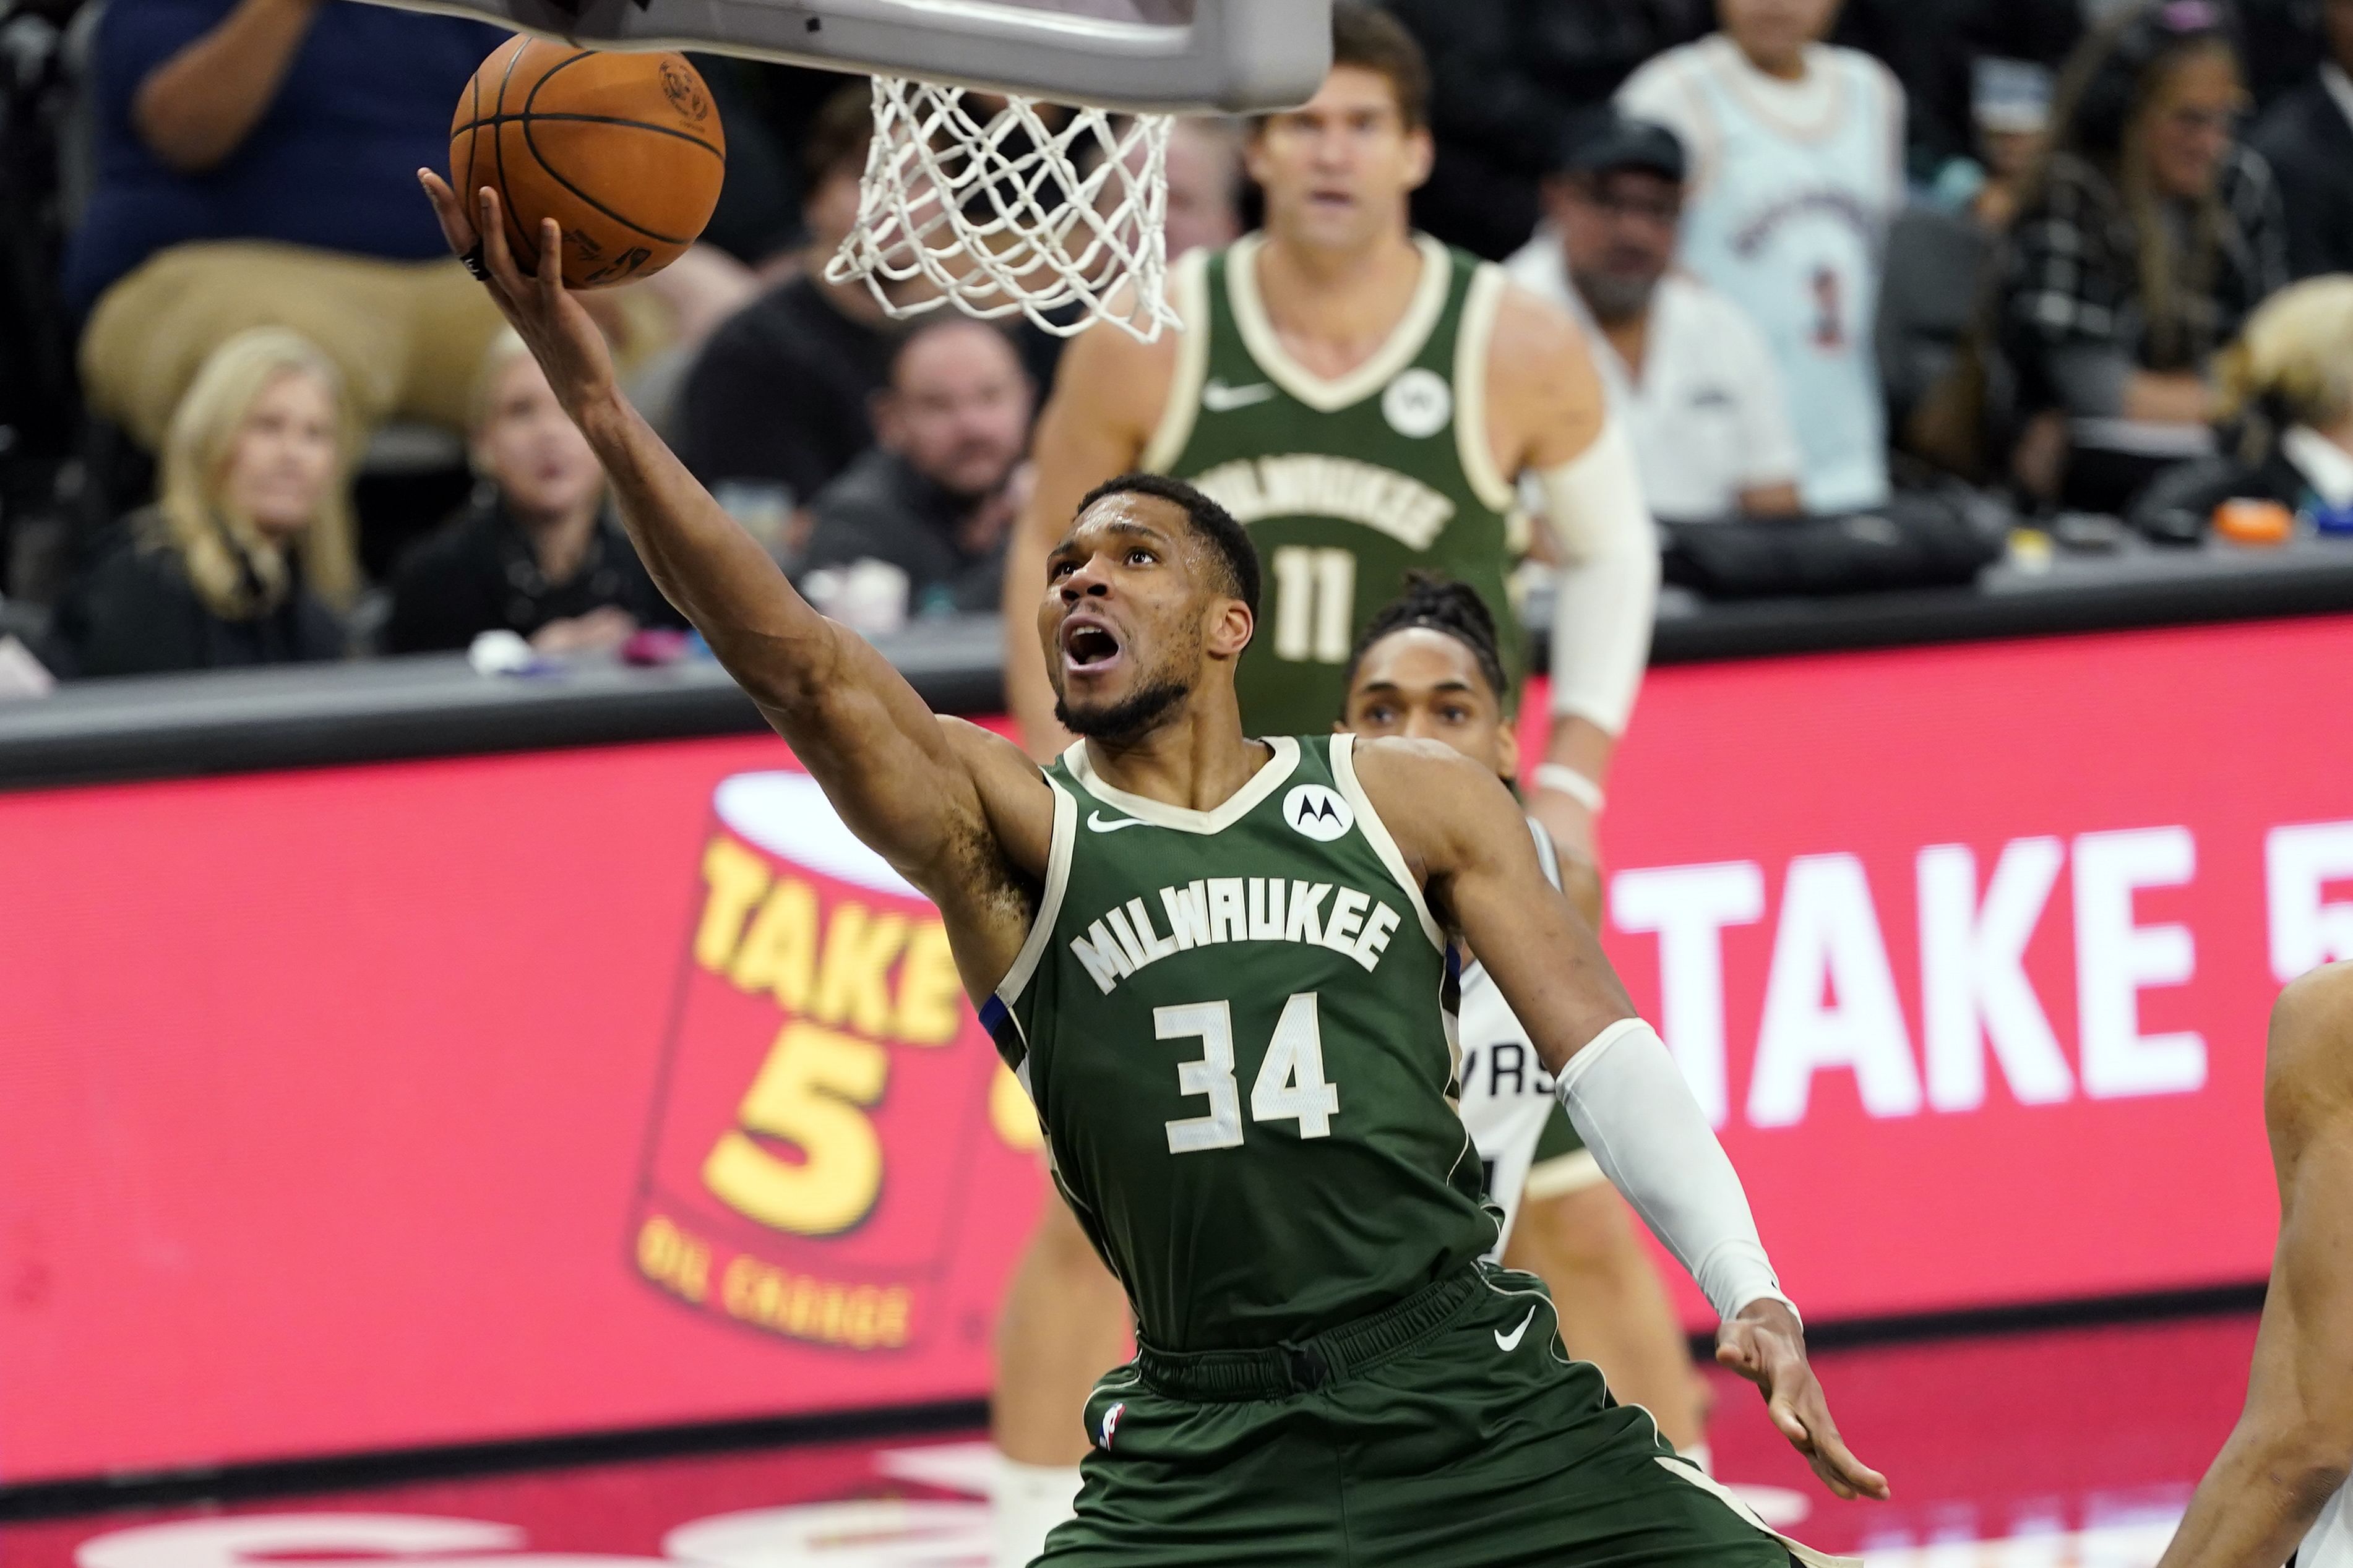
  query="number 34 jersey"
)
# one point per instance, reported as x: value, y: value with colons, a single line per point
x: 1236, y: 1028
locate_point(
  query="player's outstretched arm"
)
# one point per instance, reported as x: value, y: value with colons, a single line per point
x: 1462, y: 834
x: 927, y: 794
x: 2294, y: 1443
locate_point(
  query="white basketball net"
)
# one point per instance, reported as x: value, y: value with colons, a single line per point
x: 987, y: 209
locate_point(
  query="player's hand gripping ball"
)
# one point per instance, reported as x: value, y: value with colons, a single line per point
x: 623, y: 149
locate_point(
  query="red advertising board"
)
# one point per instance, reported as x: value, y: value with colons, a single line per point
x: 499, y: 1097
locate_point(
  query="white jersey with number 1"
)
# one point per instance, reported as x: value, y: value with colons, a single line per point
x: 1791, y: 188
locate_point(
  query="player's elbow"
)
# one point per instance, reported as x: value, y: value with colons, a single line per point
x: 2308, y: 1458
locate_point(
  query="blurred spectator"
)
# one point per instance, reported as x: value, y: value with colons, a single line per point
x: 246, y: 555
x: 2149, y: 233
x: 537, y: 552
x: 256, y: 165
x: 1936, y: 48
x: 935, y: 497
x: 1797, y: 168
x: 2288, y: 384
x: 1506, y: 78
x: 1939, y: 251
x: 1689, y: 374
x: 778, y: 403
x: 2307, y: 139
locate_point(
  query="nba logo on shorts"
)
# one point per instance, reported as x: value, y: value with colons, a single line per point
x: 1111, y: 1423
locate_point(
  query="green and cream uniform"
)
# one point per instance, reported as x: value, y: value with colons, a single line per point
x: 1344, y: 485
x: 1235, y: 1026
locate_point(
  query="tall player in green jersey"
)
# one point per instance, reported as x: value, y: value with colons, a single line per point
x: 1362, y: 399
x: 1327, y: 1375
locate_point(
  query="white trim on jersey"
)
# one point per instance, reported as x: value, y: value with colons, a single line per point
x: 1405, y: 339
x: 1188, y: 294
x: 1050, y: 905
x: 1474, y: 335
x: 1377, y: 834
x: 1270, y: 777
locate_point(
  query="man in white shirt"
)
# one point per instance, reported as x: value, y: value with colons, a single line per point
x: 1689, y: 374
x: 1796, y: 169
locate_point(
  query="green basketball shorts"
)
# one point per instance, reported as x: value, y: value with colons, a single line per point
x: 1448, y: 1430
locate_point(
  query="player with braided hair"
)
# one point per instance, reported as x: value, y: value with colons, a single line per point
x: 1430, y: 666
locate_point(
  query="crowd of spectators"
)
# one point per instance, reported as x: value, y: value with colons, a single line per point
x: 1821, y: 253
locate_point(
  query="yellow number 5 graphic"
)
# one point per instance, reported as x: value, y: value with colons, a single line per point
x: 811, y: 1093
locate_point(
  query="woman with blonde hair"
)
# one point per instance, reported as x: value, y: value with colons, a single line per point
x: 247, y: 555
x: 2144, y: 238
x: 2286, y: 390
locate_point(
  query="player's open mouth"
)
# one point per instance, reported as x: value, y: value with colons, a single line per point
x: 1088, y: 645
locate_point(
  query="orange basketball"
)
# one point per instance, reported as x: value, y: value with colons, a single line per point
x: 622, y: 149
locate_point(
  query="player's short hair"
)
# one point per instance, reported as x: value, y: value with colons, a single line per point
x: 1442, y: 605
x: 1212, y: 523
x: 1371, y: 39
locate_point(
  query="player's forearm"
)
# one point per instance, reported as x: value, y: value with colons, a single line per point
x: 2258, y: 1500
x: 767, y: 636
x: 197, y: 107
x: 1647, y: 1131
x: 1605, y: 597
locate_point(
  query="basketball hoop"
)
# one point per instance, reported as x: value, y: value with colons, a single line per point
x: 994, y: 204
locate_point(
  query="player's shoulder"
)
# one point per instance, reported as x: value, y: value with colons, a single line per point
x: 1401, y: 761
x: 1535, y: 345
x: 2310, y: 1052
x: 1106, y: 348
x: 991, y: 758
x: 1409, y: 780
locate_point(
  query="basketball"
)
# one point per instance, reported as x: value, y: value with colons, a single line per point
x: 623, y: 149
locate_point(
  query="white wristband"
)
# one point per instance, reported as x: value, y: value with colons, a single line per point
x: 1562, y: 779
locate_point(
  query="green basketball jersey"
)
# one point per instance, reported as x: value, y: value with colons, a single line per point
x: 1343, y: 485
x: 1236, y: 1026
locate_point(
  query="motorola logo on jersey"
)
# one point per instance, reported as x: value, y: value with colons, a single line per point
x: 1417, y: 402
x: 1318, y: 811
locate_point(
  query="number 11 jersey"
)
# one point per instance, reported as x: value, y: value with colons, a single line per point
x: 1236, y: 1026
x: 1346, y: 485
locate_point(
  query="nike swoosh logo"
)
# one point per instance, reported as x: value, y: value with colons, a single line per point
x: 1509, y: 1342
x: 1102, y: 824
x: 1219, y: 398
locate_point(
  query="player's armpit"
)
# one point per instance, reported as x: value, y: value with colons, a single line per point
x: 1463, y: 835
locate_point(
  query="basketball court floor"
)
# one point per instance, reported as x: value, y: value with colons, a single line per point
x: 2066, y: 1448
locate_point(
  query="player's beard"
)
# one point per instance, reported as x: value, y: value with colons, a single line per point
x: 1132, y: 716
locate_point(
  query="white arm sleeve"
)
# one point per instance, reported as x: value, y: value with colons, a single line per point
x: 1607, y: 594
x: 1635, y: 1112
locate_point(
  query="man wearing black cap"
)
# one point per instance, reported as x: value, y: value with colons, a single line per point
x: 1686, y: 368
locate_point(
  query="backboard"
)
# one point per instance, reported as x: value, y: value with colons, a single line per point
x: 1137, y: 56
